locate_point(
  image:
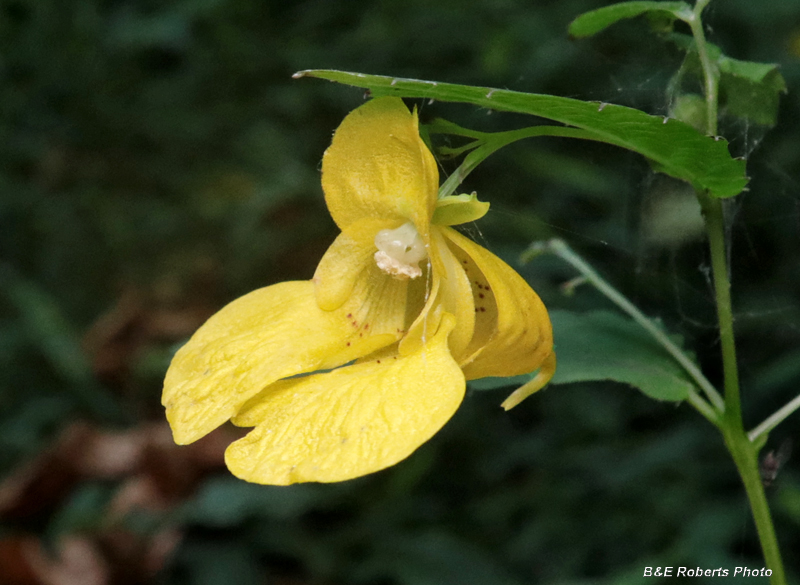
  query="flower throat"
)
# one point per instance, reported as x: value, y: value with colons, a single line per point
x: 400, y: 251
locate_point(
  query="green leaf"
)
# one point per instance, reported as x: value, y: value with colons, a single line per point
x: 593, y: 22
x: 431, y: 558
x: 223, y: 562
x: 748, y: 89
x: 49, y: 330
x: 492, y: 382
x: 84, y: 510
x: 600, y: 345
x: 673, y: 147
x: 226, y: 501
x: 751, y: 90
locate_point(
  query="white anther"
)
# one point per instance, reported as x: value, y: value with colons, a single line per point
x: 400, y: 251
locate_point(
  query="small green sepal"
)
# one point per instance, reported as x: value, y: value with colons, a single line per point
x: 458, y: 209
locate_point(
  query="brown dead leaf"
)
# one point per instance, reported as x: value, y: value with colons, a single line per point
x: 134, y: 559
x: 140, y: 319
x: 14, y: 566
x: 40, y: 484
x: 77, y: 561
x: 153, y: 474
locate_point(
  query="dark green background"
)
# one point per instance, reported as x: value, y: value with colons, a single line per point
x: 163, y: 148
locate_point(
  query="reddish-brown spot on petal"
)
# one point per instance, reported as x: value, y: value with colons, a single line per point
x: 487, y: 287
x: 349, y: 315
x: 366, y: 325
x: 348, y: 344
x: 379, y: 361
x: 483, y: 309
x: 480, y: 295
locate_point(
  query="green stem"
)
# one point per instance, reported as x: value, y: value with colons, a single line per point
x: 703, y: 407
x: 745, y: 455
x: 715, y: 228
x: 710, y: 73
x: 563, y: 251
x: 491, y: 143
x: 743, y: 451
x: 774, y: 419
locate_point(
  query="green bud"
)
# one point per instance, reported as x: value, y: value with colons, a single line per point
x: 690, y: 108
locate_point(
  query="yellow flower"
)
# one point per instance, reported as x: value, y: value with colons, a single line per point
x: 415, y: 305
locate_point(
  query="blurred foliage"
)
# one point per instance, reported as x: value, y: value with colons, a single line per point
x: 158, y: 161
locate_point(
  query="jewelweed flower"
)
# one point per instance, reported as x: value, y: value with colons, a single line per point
x: 350, y: 372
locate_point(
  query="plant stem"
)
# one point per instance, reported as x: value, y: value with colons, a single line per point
x: 743, y: 451
x: 703, y: 407
x: 492, y: 142
x: 745, y: 456
x: 710, y: 73
x: 715, y: 228
x: 563, y: 251
x: 774, y: 419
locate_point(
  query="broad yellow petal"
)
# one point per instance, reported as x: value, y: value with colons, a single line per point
x: 378, y: 166
x: 349, y: 422
x: 343, y: 262
x: 269, y: 334
x: 513, y: 334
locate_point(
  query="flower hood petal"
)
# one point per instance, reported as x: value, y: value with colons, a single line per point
x: 378, y: 166
x: 513, y: 334
x: 349, y: 422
